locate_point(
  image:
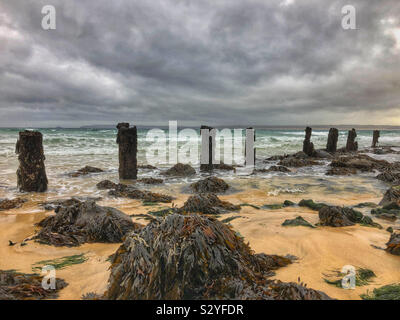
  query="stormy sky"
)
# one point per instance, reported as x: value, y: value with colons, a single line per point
x: 225, y: 62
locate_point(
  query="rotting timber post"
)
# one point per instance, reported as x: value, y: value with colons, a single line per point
x: 31, y: 173
x: 308, y: 146
x: 207, y: 148
x: 352, y: 144
x: 375, y: 138
x: 127, y: 154
x: 333, y: 136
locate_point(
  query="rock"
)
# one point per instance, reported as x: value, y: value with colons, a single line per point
x: 180, y: 170
x: 207, y: 203
x: 6, y: 204
x: 322, y: 154
x: 147, y: 167
x: 311, y: 204
x: 21, y: 286
x: 391, y: 195
x: 57, y: 204
x: 334, y: 216
x: 84, y: 222
x: 86, y: 170
x: 106, y: 185
x: 308, y: 146
x: 31, y: 173
x: 299, y: 221
x: 351, y: 144
x: 297, y: 163
x: 366, y: 205
x: 125, y: 191
x: 389, y: 176
x: 375, y: 138
x: 195, y: 258
x: 389, y: 229
x: 393, y: 246
x: 361, y: 162
x: 333, y: 136
x: 223, y: 166
x: 127, y: 151
x: 340, y: 171
x: 210, y: 184
x: 273, y: 169
x: 151, y: 181
x: 288, y: 203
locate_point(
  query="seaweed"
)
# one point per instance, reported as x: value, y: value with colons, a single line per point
x: 250, y: 205
x: 227, y: 220
x: 60, y: 263
x: 363, y: 277
x: 388, y: 292
x: 299, y: 221
x: 311, y: 204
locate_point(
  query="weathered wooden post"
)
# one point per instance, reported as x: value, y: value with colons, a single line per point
x: 127, y: 154
x: 308, y: 146
x: 31, y: 173
x: 375, y: 138
x: 351, y: 144
x: 249, y: 146
x: 207, y: 148
x: 333, y: 136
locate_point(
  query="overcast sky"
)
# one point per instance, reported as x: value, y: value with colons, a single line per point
x: 261, y: 62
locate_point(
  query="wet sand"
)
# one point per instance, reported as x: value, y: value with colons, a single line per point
x: 319, y: 250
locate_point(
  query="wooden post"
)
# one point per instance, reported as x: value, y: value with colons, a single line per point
x: 351, y: 144
x: 127, y: 153
x: 207, y: 146
x: 333, y: 136
x: 31, y: 174
x: 308, y: 146
x: 375, y: 138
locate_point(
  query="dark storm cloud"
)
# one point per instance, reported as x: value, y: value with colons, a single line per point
x: 220, y: 62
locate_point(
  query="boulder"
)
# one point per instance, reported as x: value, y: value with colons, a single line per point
x: 210, y: 184
x: 393, y: 245
x: 150, y: 181
x: 334, y: 216
x: 7, y: 204
x: 340, y: 171
x: 297, y: 162
x: 391, y: 195
x: 207, y: 203
x: 84, y: 222
x: 180, y: 170
x: 196, y: 258
x: 106, y: 185
x: 298, y: 221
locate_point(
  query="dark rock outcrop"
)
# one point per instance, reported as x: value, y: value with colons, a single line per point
x: 361, y: 162
x: 31, y: 173
x: 393, y: 245
x: 333, y: 136
x: 180, y: 170
x: 207, y: 203
x: 341, y: 171
x: 131, y: 192
x: 106, y: 185
x: 85, y: 170
x: 391, y: 195
x: 127, y: 151
x: 195, y: 257
x: 6, y: 204
x: 273, y: 169
x: 298, y: 221
x: 352, y: 144
x: 308, y: 146
x: 375, y: 138
x: 297, y: 162
x: 150, y: 181
x: 334, y: 216
x: 21, y: 286
x: 84, y: 222
x: 389, y: 176
x: 210, y: 184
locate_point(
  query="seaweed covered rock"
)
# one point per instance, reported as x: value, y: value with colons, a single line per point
x: 210, y: 184
x: 147, y: 167
x: 195, y: 257
x: 360, y: 162
x: 273, y: 169
x: 180, y: 170
x: 57, y: 204
x: 106, y: 185
x: 298, y: 221
x: 85, y: 171
x: 389, y: 176
x: 224, y: 167
x: 311, y: 204
x: 393, y: 246
x: 125, y: 191
x: 20, y: 286
x: 84, y: 222
x: 150, y: 181
x: 297, y: 162
x: 391, y: 195
x: 6, y: 204
x: 340, y: 171
x: 207, y: 203
x: 334, y: 216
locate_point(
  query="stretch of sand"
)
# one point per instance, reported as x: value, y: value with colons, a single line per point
x: 319, y: 250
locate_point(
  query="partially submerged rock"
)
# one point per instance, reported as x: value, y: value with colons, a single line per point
x: 84, y: 222
x: 298, y: 221
x: 131, y: 192
x: 311, y: 204
x: 147, y: 167
x: 150, y: 181
x: 340, y: 171
x: 273, y: 169
x: 207, y: 203
x: 210, y: 184
x: 7, y: 204
x: 21, y: 286
x: 62, y: 203
x: 391, y: 195
x: 180, y: 170
x: 297, y: 162
x: 106, y: 185
x: 85, y: 170
x: 195, y: 257
x: 334, y: 216
x: 360, y: 162
x: 224, y: 166
x: 389, y: 176
x: 393, y: 245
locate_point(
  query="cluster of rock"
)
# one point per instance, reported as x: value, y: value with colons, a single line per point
x: 20, y: 286
x: 83, y: 222
x: 195, y: 257
x: 335, y: 216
